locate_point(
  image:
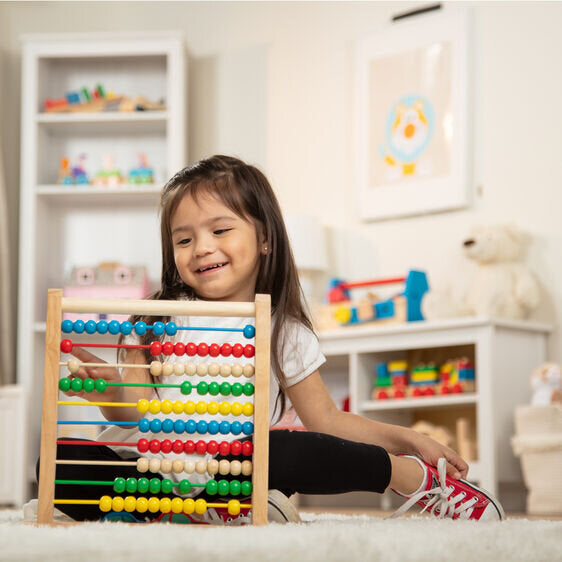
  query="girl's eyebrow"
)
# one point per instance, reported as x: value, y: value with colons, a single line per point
x: 212, y: 220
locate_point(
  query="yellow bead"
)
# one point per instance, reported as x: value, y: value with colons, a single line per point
x: 154, y: 407
x: 200, y: 506
x: 167, y: 368
x: 130, y: 503
x: 201, y: 407
x: 142, y: 505
x: 153, y: 505
x: 142, y: 464
x: 188, y: 505
x: 190, y: 368
x: 165, y: 505
x: 105, y: 504
x: 342, y: 314
x: 202, y: 369
x: 167, y: 406
x: 117, y: 503
x: 248, y: 370
x: 224, y: 408
x: 237, y: 370
x: 156, y: 368
x: 142, y: 406
x: 179, y: 368
x: 178, y: 407
x: 177, y: 505
x: 248, y: 409
x: 214, y: 369
x: 189, y: 407
x: 212, y: 407
x: 233, y: 507
x: 236, y: 409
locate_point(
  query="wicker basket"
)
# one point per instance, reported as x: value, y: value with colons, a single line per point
x: 538, y: 441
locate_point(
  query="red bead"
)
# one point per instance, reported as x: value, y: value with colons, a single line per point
x: 191, y: 349
x: 235, y: 448
x: 189, y: 447
x: 226, y: 349
x: 214, y: 350
x: 224, y: 448
x: 155, y: 348
x: 177, y: 446
x: 237, y: 350
x: 247, y: 448
x: 249, y: 350
x: 166, y: 446
x: 142, y: 445
x: 457, y: 388
x: 202, y: 349
x: 179, y: 348
x: 154, y: 446
x: 168, y: 348
x: 201, y: 447
x: 212, y: 447
x: 66, y: 346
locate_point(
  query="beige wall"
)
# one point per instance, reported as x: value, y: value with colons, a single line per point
x: 274, y: 83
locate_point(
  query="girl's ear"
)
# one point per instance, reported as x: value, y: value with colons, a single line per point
x: 265, y: 247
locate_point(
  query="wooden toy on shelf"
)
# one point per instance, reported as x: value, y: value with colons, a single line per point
x: 143, y: 173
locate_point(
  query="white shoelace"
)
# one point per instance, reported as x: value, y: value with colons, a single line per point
x: 441, y: 503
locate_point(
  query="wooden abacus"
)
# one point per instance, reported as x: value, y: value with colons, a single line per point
x: 57, y: 305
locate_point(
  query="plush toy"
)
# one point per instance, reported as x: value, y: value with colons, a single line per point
x: 546, y: 382
x: 502, y: 286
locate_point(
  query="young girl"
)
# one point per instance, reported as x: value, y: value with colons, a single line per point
x: 223, y: 239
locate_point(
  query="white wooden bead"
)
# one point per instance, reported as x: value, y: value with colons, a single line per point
x: 154, y: 465
x: 142, y: 464
x: 246, y: 468
x: 189, y: 467
x: 177, y: 466
x: 166, y: 466
x: 201, y: 467
x: 202, y: 369
x: 225, y: 370
x: 73, y: 365
x: 156, y: 368
x: 214, y: 369
x: 249, y: 370
x: 179, y: 368
x: 236, y: 370
x: 167, y: 368
x: 190, y: 368
x: 235, y: 467
x: 213, y: 467
x: 224, y: 467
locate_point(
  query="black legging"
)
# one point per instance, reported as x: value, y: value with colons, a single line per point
x: 299, y: 461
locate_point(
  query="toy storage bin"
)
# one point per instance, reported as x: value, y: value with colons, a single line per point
x: 538, y: 441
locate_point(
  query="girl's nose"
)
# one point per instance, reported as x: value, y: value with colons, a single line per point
x: 204, y: 245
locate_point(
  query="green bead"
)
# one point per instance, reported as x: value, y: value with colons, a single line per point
x: 64, y: 384
x: 246, y: 488
x: 202, y: 387
x: 131, y: 485
x: 100, y: 385
x: 224, y: 488
x: 142, y: 485
x: 249, y: 389
x: 225, y: 388
x: 76, y: 385
x: 167, y: 486
x: 185, y: 487
x: 212, y: 487
x: 185, y: 388
x: 119, y: 485
x: 155, y: 485
x: 88, y: 385
x: 214, y: 388
x: 235, y: 487
x: 236, y: 389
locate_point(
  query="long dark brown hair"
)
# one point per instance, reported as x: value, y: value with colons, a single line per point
x: 245, y: 191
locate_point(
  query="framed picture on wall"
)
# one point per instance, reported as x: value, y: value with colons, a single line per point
x: 412, y: 116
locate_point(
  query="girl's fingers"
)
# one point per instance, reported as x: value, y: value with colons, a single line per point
x: 85, y: 356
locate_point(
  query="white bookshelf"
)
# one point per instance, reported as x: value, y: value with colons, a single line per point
x: 63, y: 226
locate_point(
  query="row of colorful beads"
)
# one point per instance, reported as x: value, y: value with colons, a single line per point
x: 178, y: 368
x: 202, y: 349
x: 191, y: 427
x: 166, y: 486
x: 200, y: 447
x: 190, y: 407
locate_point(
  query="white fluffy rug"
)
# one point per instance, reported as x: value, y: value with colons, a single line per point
x: 319, y: 538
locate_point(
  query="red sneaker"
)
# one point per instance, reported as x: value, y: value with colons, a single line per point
x: 446, y: 497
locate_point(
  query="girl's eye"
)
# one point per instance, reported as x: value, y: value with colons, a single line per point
x: 221, y: 231
x: 183, y: 242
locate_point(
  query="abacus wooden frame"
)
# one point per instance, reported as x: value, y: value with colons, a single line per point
x: 260, y: 309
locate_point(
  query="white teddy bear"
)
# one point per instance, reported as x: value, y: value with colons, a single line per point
x: 502, y: 285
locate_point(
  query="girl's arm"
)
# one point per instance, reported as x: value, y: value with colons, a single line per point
x: 317, y: 411
x: 115, y: 393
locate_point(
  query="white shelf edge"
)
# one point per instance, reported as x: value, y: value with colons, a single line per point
x: 424, y: 402
x: 77, y: 190
x: 102, y: 117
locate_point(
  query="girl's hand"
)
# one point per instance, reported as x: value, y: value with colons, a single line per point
x: 431, y: 451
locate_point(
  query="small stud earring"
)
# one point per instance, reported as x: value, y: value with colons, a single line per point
x: 265, y: 248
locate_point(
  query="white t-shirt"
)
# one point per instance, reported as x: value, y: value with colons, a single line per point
x: 301, y: 356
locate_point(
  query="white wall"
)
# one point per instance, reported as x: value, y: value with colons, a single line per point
x: 274, y: 83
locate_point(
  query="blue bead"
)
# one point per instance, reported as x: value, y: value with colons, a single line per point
x: 66, y: 326
x: 213, y: 428
x: 249, y: 331
x: 224, y: 427
x: 202, y: 426
x: 167, y: 426
x: 140, y: 328
x: 190, y: 426
x: 144, y: 425
x: 247, y: 428
x: 158, y: 328
x: 90, y: 327
x: 171, y: 328
x: 155, y: 425
x: 236, y: 428
x: 78, y: 326
x: 179, y: 426
x: 114, y: 327
x: 102, y: 327
x: 126, y: 328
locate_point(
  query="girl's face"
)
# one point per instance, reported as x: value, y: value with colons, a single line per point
x: 216, y: 252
